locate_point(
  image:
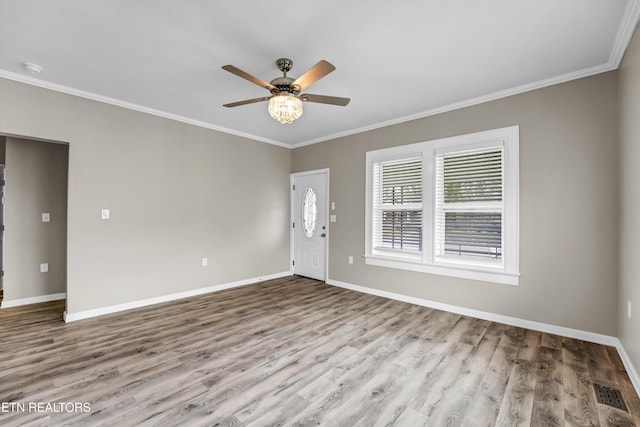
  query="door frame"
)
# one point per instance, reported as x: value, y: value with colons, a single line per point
x: 292, y: 177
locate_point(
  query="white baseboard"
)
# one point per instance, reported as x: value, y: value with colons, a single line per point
x: 513, y: 321
x: 631, y: 370
x: 32, y: 300
x: 86, y: 314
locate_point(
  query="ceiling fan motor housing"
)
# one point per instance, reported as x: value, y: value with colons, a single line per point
x: 283, y: 84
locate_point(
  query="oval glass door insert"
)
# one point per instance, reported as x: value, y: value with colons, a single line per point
x: 309, y: 212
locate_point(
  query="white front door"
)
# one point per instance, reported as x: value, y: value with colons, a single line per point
x: 310, y: 228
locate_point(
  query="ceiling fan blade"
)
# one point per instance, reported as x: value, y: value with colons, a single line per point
x: 314, y: 74
x: 253, y: 79
x: 323, y: 99
x: 246, y: 101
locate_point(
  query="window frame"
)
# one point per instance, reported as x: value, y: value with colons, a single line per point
x: 507, y: 272
x: 379, y: 208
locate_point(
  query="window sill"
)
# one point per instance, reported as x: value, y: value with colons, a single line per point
x: 473, y: 273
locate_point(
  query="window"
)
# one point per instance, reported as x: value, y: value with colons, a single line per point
x: 448, y: 206
x: 469, y: 205
x: 397, y: 207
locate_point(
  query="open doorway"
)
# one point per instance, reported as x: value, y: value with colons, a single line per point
x: 34, y: 226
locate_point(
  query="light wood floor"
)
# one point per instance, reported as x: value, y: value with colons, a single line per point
x: 296, y: 352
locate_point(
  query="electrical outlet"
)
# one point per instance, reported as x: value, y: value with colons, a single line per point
x: 105, y: 214
x: 46, y: 217
x: 44, y: 267
x: 205, y: 262
x: 629, y: 309
x: 350, y: 259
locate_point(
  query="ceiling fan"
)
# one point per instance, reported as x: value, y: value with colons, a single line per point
x: 285, y: 102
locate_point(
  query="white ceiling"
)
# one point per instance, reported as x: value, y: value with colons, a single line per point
x: 395, y: 59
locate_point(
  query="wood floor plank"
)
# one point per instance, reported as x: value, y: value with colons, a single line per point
x: 455, y: 408
x: 433, y: 391
x: 295, y: 351
x: 485, y: 406
x: 410, y: 418
x: 553, y: 342
x: 579, y: 399
x: 530, y: 345
x: 517, y: 405
x: 365, y: 404
x: 479, y: 359
x: 333, y: 389
x: 548, y: 408
x: 610, y: 417
x: 278, y: 416
x: 271, y: 402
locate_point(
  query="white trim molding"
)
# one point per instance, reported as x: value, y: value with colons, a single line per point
x: 32, y: 300
x: 493, y: 96
x: 631, y: 370
x: 86, y: 314
x: 513, y: 321
x: 623, y: 37
x: 484, y: 315
x: 131, y: 106
x: 625, y: 32
x: 459, y: 272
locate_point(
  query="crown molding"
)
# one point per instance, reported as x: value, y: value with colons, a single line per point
x: 131, y: 106
x: 439, y: 110
x: 625, y: 32
x: 468, y: 102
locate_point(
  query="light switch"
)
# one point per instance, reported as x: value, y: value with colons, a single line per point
x: 44, y: 267
x: 332, y: 218
x: 105, y: 214
x: 46, y: 217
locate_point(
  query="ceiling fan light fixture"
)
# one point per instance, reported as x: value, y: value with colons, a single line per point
x: 285, y: 102
x: 285, y: 107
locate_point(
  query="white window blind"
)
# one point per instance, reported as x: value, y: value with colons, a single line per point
x: 449, y: 206
x: 469, y: 205
x: 397, y: 205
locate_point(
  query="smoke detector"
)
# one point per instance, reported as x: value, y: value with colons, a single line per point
x: 32, y: 68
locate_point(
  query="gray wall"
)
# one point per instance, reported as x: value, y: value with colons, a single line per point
x: 177, y: 193
x: 568, y: 205
x: 629, y: 288
x: 36, y: 175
